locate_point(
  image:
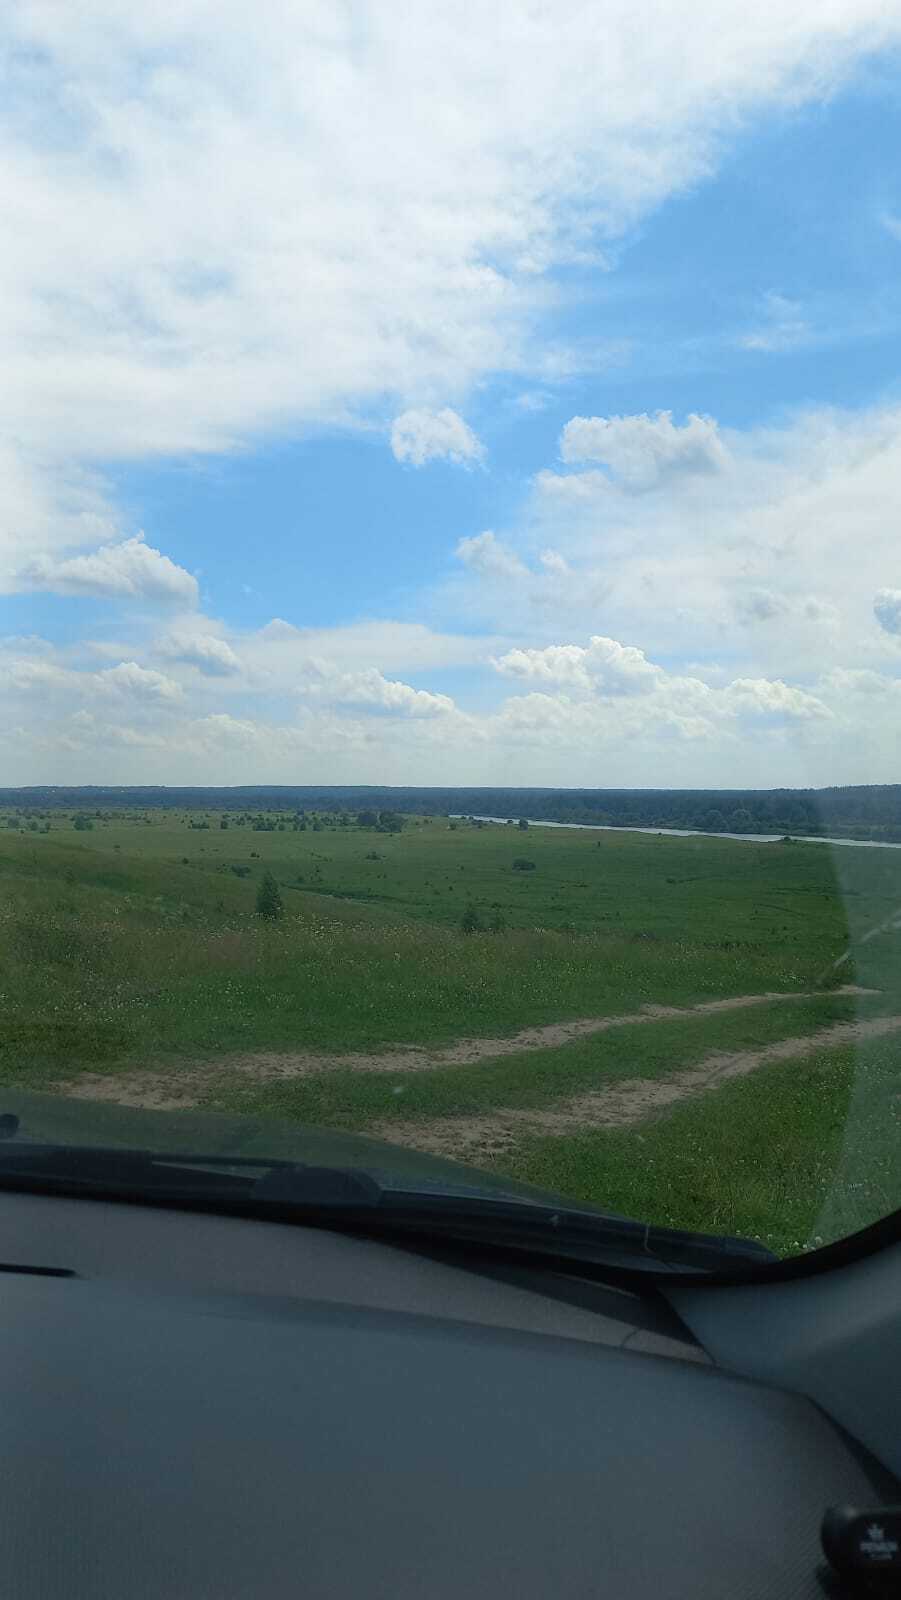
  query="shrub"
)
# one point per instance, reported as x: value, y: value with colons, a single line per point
x: 523, y: 864
x: 471, y: 922
x: 269, y: 900
x: 523, y: 823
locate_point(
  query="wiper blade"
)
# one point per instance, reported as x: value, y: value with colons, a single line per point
x: 356, y: 1199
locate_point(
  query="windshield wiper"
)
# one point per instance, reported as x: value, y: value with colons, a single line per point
x: 356, y: 1199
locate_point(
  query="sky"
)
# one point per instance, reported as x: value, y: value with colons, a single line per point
x: 442, y: 393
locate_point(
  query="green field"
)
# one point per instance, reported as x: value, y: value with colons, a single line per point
x: 132, y: 947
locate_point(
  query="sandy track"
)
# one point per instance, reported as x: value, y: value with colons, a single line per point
x: 622, y: 1104
x: 165, y: 1089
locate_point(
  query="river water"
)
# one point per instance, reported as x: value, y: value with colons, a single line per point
x: 694, y: 833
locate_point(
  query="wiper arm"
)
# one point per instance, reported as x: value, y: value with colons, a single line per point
x: 354, y: 1199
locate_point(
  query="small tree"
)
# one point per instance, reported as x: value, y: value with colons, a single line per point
x: 269, y: 900
x: 471, y: 922
x: 497, y: 923
x: 523, y: 824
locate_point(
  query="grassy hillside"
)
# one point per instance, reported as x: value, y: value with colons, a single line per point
x: 133, y: 945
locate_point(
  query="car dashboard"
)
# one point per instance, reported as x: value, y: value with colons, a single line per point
x: 196, y: 1405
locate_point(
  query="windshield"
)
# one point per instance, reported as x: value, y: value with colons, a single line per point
x: 450, y: 631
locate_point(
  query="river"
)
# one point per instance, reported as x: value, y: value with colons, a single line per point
x: 694, y: 833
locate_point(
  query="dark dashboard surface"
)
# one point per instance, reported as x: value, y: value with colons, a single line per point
x: 233, y: 1409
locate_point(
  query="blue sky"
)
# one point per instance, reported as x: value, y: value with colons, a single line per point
x: 394, y: 404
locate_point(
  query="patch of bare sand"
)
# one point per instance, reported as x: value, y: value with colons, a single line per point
x: 472, y: 1138
x: 172, y: 1088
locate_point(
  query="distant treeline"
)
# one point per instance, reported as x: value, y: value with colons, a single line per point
x: 860, y: 812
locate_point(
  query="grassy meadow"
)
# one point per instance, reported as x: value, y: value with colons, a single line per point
x: 134, y: 944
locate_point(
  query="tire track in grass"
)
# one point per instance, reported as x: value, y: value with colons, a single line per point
x: 182, y: 1086
x: 471, y: 1137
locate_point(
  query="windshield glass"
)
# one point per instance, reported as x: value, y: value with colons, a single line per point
x: 450, y: 631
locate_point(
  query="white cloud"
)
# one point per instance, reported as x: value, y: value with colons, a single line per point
x: 892, y: 224
x: 773, y: 698
x: 860, y: 680
x: 782, y: 326
x: 421, y: 436
x: 486, y: 554
x: 396, y: 195
x: 515, y: 595
x: 533, y: 400
x: 24, y: 675
x: 128, y: 678
x: 793, y: 537
x: 767, y: 605
x: 761, y: 605
x: 642, y: 451
x: 605, y: 666
x: 887, y: 610
x: 645, y: 694
x: 279, y: 651
x: 209, y: 654
x: 131, y: 570
x: 369, y: 690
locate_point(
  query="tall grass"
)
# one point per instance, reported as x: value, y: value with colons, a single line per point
x: 115, y: 982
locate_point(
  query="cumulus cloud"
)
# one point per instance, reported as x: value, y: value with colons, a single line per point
x: 792, y: 538
x: 773, y: 698
x: 128, y: 678
x: 210, y: 655
x: 608, y: 671
x: 369, y: 690
x: 605, y: 666
x: 887, y: 610
x: 421, y: 436
x: 130, y: 570
x: 641, y: 451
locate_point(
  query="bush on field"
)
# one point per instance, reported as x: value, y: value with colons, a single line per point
x: 523, y: 864
x: 269, y: 900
